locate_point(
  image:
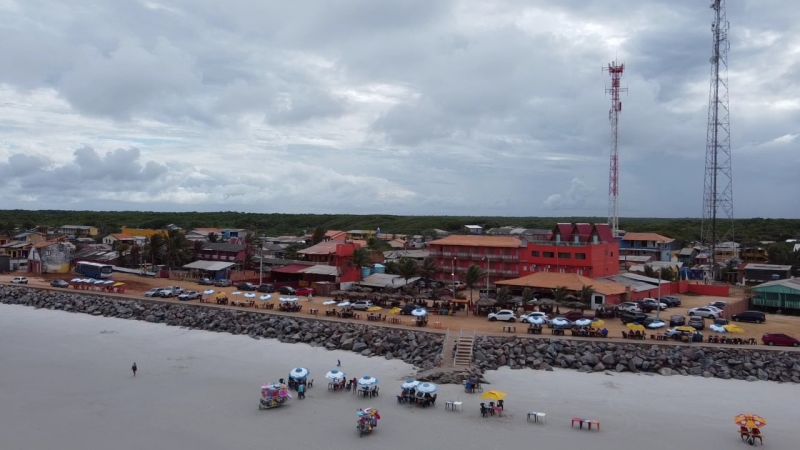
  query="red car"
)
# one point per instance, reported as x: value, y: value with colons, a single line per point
x: 780, y: 339
x: 304, y: 292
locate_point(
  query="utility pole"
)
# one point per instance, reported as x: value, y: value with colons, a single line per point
x: 615, y: 70
x: 260, y: 261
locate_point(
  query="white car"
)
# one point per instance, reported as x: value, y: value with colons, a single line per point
x: 629, y: 307
x: 152, y: 292
x: 536, y: 314
x: 361, y: 305
x: 705, y: 312
x: 714, y: 308
x: 505, y: 315
x: 20, y: 280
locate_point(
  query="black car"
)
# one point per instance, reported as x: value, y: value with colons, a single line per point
x: 719, y: 304
x: 406, y: 310
x: 671, y: 301
x: 632, y: 317
x: 59, y: 284
x: 697, y: 322
x: 205, y: 281
x: 287, y: 290
x: 750, y: 316
x: 246, y: 287
x: 266, y: 287
x: 676, y: 321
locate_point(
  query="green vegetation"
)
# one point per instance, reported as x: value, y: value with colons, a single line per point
x: 684, y: 230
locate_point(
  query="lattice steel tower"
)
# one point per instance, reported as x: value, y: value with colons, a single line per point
x: 718, y: 187
x: 615, y: 70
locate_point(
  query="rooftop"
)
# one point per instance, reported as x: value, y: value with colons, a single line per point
x: 212, y: 266
x: 322, y: 248
x: 479, y: 241
x: 790, y: 283
x: 385, y: 280
x: 776, y: 267
x: 570, y: 281
x: 655, y: 237
x: 223, y: 247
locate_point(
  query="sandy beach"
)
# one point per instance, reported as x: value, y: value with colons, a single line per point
x: 65, y: 383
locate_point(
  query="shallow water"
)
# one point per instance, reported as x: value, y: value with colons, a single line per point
x: 65, y: 383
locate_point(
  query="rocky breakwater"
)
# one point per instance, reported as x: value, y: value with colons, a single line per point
x: 421, y: 349
x: 592, y: 356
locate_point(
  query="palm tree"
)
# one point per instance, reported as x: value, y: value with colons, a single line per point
x: 473, y: 275
x: 527, y: 294
x: 586, y: 295
x: 361, y: 258
x: 407, y: 268
x: 560, y: 294
x: 503, y: 295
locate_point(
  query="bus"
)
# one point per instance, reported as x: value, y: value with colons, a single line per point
x: 94, y: 270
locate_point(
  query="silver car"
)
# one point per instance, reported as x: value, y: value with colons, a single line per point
x: 705, y: 312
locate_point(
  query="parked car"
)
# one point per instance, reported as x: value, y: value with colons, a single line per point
x: 305, y: 292
x: 714, y: 308
x: 223, y: 283
x: 572, y: 316
x: 205, y: 281
x: 152, y: 292
x: 361, y: 305
x: 705, y: 312
x: 407, y: 308
x: 189, y: 295
x: 719, y: 304
x: 265, y: 287
x: 19, y: 280
x: 628, y: 306
x: 649, y: 320
x: 166, y: 293
x: 676, y: 321
x: 652, y: 304
x: 750, y: 316
x: 59, y: 283
x: 632, y: 317
x: 177, y: 290
x: 780, y: 339
x: 246, y: 287
x: 696, y: 322
x: 671, y: 301
x: 529, y: 316
x: 505, y: 315
x: 287, y: 290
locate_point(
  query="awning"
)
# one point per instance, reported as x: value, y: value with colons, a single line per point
x: 212, y: 266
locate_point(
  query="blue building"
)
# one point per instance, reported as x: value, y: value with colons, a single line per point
x: 659, y: 247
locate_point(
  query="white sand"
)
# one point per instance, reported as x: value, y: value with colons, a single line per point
x: 65, y: 383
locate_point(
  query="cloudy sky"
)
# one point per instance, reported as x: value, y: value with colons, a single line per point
x: 391, y: 106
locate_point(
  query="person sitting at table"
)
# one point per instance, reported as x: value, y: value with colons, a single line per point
x: 491, y: 408
x: 484, y: 410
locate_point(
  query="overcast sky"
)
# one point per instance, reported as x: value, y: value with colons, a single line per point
x: 390, y: 106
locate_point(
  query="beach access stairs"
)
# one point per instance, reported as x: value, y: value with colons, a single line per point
x: 462, y: 347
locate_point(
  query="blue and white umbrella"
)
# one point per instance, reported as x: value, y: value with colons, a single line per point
x: 265, y: 297
x: 583, y: 322
x: 656, y: 324
x: 410, y: 384
x: 329, y: 302
x: 427, y: 388
x: 717, y: 328
x: 208, y: 292
x: 536, y: 320
x: 298, y: 372
x: 236, y: 293
x: 250, y: 295
x: 288, y: 299
x: 367, y: 381
x: 419, y: 312
x: 335, y: 375
x: 559, y: 322
x: 343, y: 304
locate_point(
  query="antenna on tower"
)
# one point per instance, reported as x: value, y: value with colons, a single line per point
x: 615, y: 70
x: 718, y: 184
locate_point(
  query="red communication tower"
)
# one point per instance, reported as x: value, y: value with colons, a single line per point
x: 615, y: 70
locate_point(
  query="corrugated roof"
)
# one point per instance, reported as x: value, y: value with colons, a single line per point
x: 384, y: 280
x: 323, y: 248
x: 478, y: 241
x: 635, y: 286
x: 208, y: 265
x: 790, y: 283
x: 570, y: 281
x: 223, y: 247
x: 291, y: 268
x: 647, y: 237
x: 321, y: 269
x: 755, y: 266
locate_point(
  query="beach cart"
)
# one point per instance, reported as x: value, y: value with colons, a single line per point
x: 273, y: 396
x: 366, y: 420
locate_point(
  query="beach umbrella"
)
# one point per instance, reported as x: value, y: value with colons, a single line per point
x: 265, y: 297
x: 560, y: 322
x: 635, y: 327
x: 599, y: 323
x: 76, y: 280
x: 344, y: 304
x: 536, y: 320
x: 583, y: 322
x: 732, y: 328
x: 288, y: 299
x: 685, y: 329
x: 221, y: 295
x: 410, y: 384
x: 427, y: 388
x: 494, y: 395
x: 335, y: 375
x: 250, y: 295
x: 656, y: 324
x: 419, y: 312
x: 717, y: 328
x: 208, y: 292
x: 367, y: 381
x: 236, y: 293
x: 750, y: 421
x: 374, y: 309
x: 298, y: 372
x: 329, y: 302
x: 394, y: 311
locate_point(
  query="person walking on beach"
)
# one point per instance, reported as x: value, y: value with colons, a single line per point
x: 134, y: 368
x: 338, y: 363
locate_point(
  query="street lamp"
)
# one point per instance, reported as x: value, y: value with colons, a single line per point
x: 453, y: 274
x: 487, y: 274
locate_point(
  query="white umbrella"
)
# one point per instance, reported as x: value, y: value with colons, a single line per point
x: 289, y: 300
x: 419, y: 312
x: 427, y: 388
x: 236, y: 293
x: 410, y: 384
x: 717, y: 328
x: 335, y: 374
x: 343, y: 304
x: 265, y: 297
x: 560, y: 322
x: 367, y: 381
x: 329, y: 302
x: 298, y: 372
x: 656, y: 324
x: 583, y: 322
x: 76, y: 280
x: 250, y: 295
x: 536, y: 320
x: 208, y: 292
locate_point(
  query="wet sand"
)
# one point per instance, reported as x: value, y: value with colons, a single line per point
x: 65, y: 383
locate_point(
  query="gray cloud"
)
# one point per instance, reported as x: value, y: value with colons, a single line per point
x: 452, y: 107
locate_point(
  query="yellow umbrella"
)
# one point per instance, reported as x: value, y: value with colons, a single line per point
x: 599, y: 323
x: 494, y: 395
x: 635, y: 327
x: 394, y: 311
x: 685, y: 329
x: 221, y: 295
x: 374, y: 309
x: 750, y: 421
x: 734, y: 328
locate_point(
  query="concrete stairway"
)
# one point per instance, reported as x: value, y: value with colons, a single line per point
x: 462, y: 349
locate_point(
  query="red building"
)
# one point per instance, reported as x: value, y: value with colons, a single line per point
x: 223, y: 251
x: 585, y: 249
x: 335, y: 253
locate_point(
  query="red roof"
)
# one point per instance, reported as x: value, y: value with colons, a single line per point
x: 584, y: 231
x: 467, y: 240
x: 291, y: 268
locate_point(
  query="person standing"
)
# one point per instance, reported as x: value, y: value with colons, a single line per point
x: 338, y: 363
x: 134, y: 368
